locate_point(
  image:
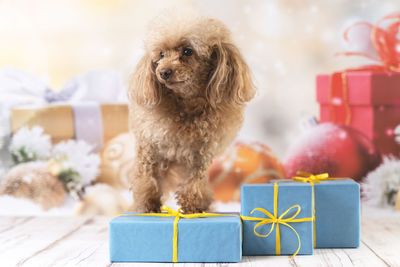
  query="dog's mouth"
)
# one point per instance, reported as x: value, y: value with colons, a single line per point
x: 171, y: 83
x: 174, y: 82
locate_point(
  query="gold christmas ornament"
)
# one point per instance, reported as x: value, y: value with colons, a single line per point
x: 54, y: 167
x: 117, y: 158
x: 243, y: 163
x: 397, y: 202
x: 35, y: 182
x: 101, y: 199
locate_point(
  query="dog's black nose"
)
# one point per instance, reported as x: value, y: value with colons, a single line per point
x: 165, y: 73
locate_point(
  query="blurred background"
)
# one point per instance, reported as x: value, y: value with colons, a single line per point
x: 286, y: 44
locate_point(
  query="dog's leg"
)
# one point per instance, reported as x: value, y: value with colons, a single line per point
x: 194, y: 193
x: 145, y: 181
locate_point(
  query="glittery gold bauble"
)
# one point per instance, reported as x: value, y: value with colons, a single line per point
x: 397, y: 202
x: 242, y: 164
x: 34, y: 181
x: 117, y: 161
x: 101, y: 199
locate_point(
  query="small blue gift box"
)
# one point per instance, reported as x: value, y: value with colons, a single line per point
x: 277, y: 219
x: 337, y: 214
x: 151, y: 238
x: 337, y: 210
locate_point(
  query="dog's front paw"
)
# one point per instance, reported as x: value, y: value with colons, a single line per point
x: 194, y: 196
x: 187, y: 209
x: 148, y: 206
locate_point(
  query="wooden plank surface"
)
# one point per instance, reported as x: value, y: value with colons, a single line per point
x: 28, y: 238
x: 82, y: 241
x: 87, y: 246
x: 382, y: 236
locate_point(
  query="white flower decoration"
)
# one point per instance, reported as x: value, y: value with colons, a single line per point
x: 30, y: 145
x: 381, y: 185
x: 77, y: 156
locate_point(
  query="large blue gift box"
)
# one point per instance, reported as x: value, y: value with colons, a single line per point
x: 337, y: 214
x: 150, y: 239
x: 284, y: 205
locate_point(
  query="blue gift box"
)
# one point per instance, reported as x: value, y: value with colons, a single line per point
x: 288, y: 194
x: 337, y: 214
x: 150, y: 239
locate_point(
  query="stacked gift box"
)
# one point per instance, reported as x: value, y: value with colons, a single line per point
x: 367, y: 98
x: 90, y: 107
x: 283, y: 217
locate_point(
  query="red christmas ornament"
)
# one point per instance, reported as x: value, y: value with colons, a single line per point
x: 338, y: 150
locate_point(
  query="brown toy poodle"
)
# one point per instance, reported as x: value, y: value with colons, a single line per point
x: 187, y: 98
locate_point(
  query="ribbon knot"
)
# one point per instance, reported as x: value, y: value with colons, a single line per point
x: 276, y: 221
x: 172, y: 212
x: 311, y: 178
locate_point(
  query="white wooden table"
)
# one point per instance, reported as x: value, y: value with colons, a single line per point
x: 82, y: 241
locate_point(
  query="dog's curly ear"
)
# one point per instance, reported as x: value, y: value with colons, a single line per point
x: 144, y: 88
x: 230, y: 78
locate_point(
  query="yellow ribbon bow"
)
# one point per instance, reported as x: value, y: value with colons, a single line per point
x: 307, y: 177
x: 310, y: 178
x: 275, y: 220
x: 168, y: 212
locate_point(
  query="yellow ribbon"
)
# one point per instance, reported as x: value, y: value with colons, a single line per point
x: 312, y: 179
x: 275, y: 220
x: 168, y: 212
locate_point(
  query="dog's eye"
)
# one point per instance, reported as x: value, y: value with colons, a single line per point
x: 187, y: 52
x: 161, y: 54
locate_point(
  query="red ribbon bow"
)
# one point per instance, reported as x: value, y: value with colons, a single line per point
x: 387, y: 47
x: 384, y: 41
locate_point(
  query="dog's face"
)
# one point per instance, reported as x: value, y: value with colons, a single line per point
x: 193, y: 57
x: 182, y: 68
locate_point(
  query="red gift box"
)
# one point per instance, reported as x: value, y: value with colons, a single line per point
x: 368, y: 101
